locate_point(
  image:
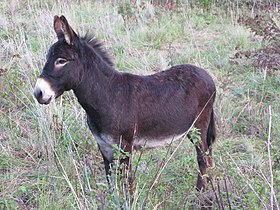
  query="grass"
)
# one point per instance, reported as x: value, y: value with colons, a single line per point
x: 48, y: 159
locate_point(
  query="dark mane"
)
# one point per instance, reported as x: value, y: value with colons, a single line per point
x: 98, y: 48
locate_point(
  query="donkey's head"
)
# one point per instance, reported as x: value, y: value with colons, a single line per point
x: 63, y: 67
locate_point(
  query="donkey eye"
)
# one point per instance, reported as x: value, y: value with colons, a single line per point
x: 60, y: 62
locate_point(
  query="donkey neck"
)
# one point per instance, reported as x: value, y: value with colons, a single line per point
x: 97, y: 79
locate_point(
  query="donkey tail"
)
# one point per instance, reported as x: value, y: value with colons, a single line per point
x: 211, y: 133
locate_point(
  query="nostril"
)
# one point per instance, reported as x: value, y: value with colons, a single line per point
x: 38, y: 93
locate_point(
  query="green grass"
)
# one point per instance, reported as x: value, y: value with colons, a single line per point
x: 48, y: 158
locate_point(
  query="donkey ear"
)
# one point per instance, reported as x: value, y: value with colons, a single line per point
x: 57, y: 25
x: 63, y: 29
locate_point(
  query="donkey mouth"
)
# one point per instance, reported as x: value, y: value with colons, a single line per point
x: 41, y: 98
x: 44, y: 101
x: 43, y: 91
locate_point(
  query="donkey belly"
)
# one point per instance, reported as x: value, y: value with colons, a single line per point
x: 156, y: 142
x: 156, y: 133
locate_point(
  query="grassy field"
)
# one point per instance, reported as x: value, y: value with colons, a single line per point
x: 48, y: 158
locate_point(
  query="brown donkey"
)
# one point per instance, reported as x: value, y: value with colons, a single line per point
x: 126, y: 109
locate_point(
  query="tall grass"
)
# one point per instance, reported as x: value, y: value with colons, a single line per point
x: 48, y: 159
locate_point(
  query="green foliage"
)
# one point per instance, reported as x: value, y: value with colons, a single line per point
x: 206, y: 4
x: 195, y: 136
x: 119, y: 153
x: 8, y: 204
x: 126, y: 10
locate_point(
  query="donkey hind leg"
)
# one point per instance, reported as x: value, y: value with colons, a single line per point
x: 211, y: 137
x: 202, y: 164
x: 204, y: 159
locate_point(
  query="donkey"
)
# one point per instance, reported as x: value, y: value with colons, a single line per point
x: 125, y: 109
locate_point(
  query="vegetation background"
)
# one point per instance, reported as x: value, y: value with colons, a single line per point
x: 49, y: 160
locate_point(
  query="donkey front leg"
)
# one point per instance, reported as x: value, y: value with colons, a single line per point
x: 106, y: 150
x: 126, y: 169
x: 107, y: 164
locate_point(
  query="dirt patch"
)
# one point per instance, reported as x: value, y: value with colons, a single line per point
x: 267, y: 27
x: 267, y: 58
